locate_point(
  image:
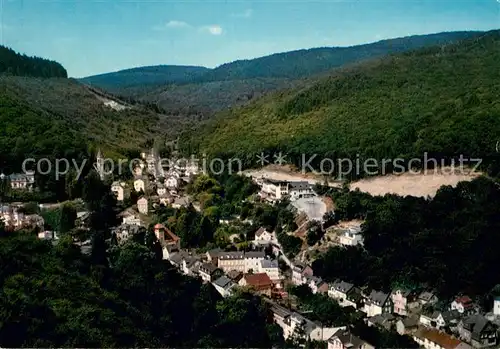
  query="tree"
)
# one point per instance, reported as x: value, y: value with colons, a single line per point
x: 67, y: 218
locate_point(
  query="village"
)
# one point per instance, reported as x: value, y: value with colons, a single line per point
x: 265, y: 269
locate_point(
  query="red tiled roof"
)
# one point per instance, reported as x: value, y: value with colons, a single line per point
x: 171, y: 236
x: 258, y: 280
x: 442, y: 339
x: 464, y: 300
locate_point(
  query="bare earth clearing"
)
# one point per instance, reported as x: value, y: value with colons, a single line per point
x: 414, y: 184
x: 419, y: 185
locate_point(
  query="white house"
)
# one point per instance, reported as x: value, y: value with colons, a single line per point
x: 344, y: 339
x: 352, y: 237
x: 142, y: 205
x: 161, y: 190
x: 272, y: 190
x: 228, y: 261
x: 300, y: 273
x: 118, y: 188
x: 252, y: 260
x: 339, y: 290
x: 377, y: 303
x: 139, y: 185
x: 224, y: 286
x: 299, y: 190
x: 172, y: 182
x: 270, y: 267
x: 262, y: 236
x: 463, y: 305
x: 207, y: 271
x: 292, y: 323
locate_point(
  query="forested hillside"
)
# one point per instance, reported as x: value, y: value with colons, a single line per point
x: 13, y: 63
x: 440, y: 100
x: 137, y: 81
x: 61, y: 118
x: 204, y: 91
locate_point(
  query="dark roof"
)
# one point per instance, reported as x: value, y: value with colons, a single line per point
x: 235, y: 275
x: 268, y: 263
x: 378, y: 298
x: 214, y: 252
x: 348, y: 339
x: 300, y: 185
x: 231, y: 255
x: 280, y: 311
x: 476, y: 324
x: 255, y: 254
x: 260, y: 231
x: 410, y: 322
x: 208, y: 268
x: 223, y: 281
x: 465, y: 301
x: 342, y: 286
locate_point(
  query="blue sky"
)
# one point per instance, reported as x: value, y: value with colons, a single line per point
x: 90, y: 37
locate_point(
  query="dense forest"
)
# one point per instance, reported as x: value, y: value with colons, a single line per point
x: 13, y: 63
x: 439, y: 100
x: 197, y: 90
x: 447, y: 243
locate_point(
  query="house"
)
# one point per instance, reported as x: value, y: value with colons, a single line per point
x: 161, y: 190
x: 21, y: 180
x: 224, y: 286
x: 252, y: 260
x: 478, y: 331
x: 129, y: 217
x: 262, y: 236
x: 272, y: 190
x: 354, y: 299
x: 118, y: 188
x: 338, y: 290
x: 344, y: 339
x: 180, y: 202
x: 271, y: 268
x: 124, y: 232
x: 434, y: 339
x: 407, y: 325
x: 228, y: 261
x: 142, y: 205
x: 427, y: 297
x: 259, y: 283
x: 439, y: 320
x: 172, y: 182
x: 235, y: 275
x: 169, y: 251
x: 377, y: 303
x: 190, y: 265
x: 207, y: 271
x: 300, y: 272
x: 403, y: 300
x: 294, y: 323
x: 463, y: 305
x: 139, y: 185
x: 317, y: 285
x: 11, y: 217
x: 351, y: 237
x: 166, y: 237
x: 384, y: 321
x: 213, y: 255
x: 299, y: 190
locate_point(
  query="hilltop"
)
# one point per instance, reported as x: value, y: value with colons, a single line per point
x: 440, y: 100
x: 13, y: 63
x: 205, y: 91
